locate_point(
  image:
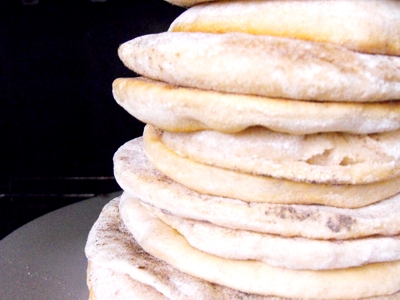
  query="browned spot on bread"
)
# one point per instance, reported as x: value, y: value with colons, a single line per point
x: 341, y: 222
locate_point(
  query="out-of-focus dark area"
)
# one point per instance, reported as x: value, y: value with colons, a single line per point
x: 59, y: 123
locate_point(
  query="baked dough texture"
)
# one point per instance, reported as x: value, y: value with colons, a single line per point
x: 291, y: 253
x: 161, y: 241
x: 321, y: 158
x: 270, y: 164
x: 264, y: 66
x: 137, y: 176
x: 211, y: 180
x: 120, y: 269
x: 371, y: 26
x: 181, y: 109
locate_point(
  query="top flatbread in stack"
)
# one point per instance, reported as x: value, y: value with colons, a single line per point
x: 371, y: 26
x: 270, y: 163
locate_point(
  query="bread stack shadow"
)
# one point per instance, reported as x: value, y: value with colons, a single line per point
x: 269, y: 166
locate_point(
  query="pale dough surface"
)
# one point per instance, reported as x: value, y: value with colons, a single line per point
x: 119, y: 267
x: 136, y: 175
x: 186, y: 109
x: 165, y: 243
x: 115, y: 252
x: 371, y: 26
x: 264, y: 65
x: 292, y: 253
x: 209, y: 179
x: 338, y: 158
x: 111, y: 284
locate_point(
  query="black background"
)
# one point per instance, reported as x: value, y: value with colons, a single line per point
x: 59, y: 123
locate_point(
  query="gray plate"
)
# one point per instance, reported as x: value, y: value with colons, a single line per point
x: 45, y: 258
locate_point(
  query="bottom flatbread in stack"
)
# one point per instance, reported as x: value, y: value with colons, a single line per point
x: 120, y: 269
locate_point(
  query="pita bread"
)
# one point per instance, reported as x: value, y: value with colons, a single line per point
x: 320, y: 158
x: 119, y: 267
x: 366, y: 26
x: 212, y: 180
x: 264, y: 66
x: 291, y: 253
x: 163, y: 242
x: 136, y: 175
x: 117, y: 255
x: 185, y: 109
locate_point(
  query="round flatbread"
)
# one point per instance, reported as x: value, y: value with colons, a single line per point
x: 119, y: 268
x: 371, y: 26
x: 264, y: 66
x: 292, y: 253
x: 338, y: 158
x: 167, y: 244
x: 218, y: 181
x: 136, y: 175
x: 185, y: 109
x: 117, y: 264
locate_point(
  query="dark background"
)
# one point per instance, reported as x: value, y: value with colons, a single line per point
x: 59, y: 124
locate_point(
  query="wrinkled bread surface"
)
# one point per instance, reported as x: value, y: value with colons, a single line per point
x: 220, y: 181
x: 136, y: 175
x: 336, y: 158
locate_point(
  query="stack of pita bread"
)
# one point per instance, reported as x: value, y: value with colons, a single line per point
x: 269, y: 167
